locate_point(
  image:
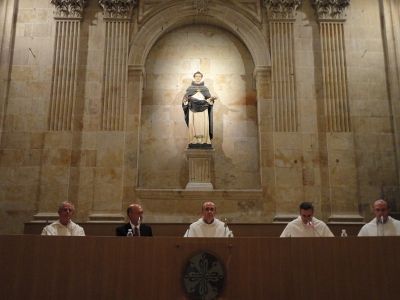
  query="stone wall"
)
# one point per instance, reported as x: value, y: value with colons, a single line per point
x: 90, y: 98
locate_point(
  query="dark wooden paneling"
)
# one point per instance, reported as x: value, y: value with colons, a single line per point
x: 41, y: 267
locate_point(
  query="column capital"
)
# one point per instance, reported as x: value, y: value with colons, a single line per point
x: 69, y: 9
x: 329, y: 10
x: 117, y: 8
x: 282, y: 9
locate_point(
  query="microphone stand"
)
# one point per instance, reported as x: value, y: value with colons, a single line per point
x: 380, y: 228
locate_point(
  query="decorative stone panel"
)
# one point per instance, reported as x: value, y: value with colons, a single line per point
x: 68, y: 15
x: 282, y: 9
x: 68, y: 8
x: 117, y: 8
x: 330, y: 9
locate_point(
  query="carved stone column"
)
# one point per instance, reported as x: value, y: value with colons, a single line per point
x: 287, y: 148
x: 68, y: 15
x: 58, y: 177
x: 265, y: 119
x: 117, y: 15
x: 281, y: 15
x: 340, y: 196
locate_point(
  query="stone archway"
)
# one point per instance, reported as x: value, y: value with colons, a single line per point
x: 178, y: 15
x: 153, y: 29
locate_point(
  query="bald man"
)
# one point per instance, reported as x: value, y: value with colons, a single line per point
x: 135, y: 215
x: 382, y: 224
x: 64, y: 225
x: 208, y: 225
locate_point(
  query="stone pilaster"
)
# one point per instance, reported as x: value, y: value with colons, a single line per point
x: 287, y: 150
x: 67, y: 15
x: 117, y: 14
x: 281, y: 15
x: 136, y: 83
x: 58, y: 178
x: 266, y: 137
x: 340, y: 195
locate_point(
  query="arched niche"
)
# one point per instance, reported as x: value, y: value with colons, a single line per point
x: 228, y: 69
x: 166, y: 21
x: 219, y: 15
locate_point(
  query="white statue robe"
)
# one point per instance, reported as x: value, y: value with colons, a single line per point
x: 199, y: 124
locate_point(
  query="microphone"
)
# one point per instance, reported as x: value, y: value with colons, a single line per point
x: 311, y: 224
x: 225, y: 225
x: 226, y: 229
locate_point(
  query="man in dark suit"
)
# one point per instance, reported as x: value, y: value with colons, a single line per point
x: 135, y: 227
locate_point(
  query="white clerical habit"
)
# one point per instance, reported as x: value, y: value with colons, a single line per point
x: 201, y: 229
x: 297, y: 228
x: 56, y: 228
x: 389, y: 228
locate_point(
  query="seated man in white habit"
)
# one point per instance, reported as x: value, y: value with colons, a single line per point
x: 306, y: 225
x: 208, y: 225
x: 64, y: 224
x: 382, y: 224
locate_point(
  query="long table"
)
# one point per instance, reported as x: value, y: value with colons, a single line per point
x: 43, y: 267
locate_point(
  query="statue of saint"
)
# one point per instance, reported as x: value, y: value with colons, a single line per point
x: 197, y: 106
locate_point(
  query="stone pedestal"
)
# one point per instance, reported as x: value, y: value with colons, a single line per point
x: 200, y: 168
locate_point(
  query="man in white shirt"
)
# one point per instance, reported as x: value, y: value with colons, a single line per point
x: 382, y: 224
x: 306, y: 225
x: 208, y: 225
x: 64, y: 225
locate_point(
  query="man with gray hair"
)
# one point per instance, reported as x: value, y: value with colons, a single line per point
x: 382, y: 224
x: 64, y: 225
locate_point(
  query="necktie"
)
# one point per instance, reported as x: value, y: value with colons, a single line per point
x: 136, y: 231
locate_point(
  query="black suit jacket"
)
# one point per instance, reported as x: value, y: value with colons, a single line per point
x: 145, y: 230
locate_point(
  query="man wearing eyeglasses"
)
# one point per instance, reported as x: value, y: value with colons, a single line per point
x: 208, y: 225
x: 64, y: 225
x: 382, y: 224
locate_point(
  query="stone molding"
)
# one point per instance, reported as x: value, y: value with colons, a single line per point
x: 68, y: 8
x: 282, y: 9
x: 117, y: 8
x: 200, y: 6
x: 330, y: 9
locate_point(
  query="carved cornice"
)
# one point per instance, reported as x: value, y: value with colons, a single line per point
x: 330, y: 9
x: 282, y: 9
x: 68, y: 8
x: 117, y: 8
x: 200, y: 6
